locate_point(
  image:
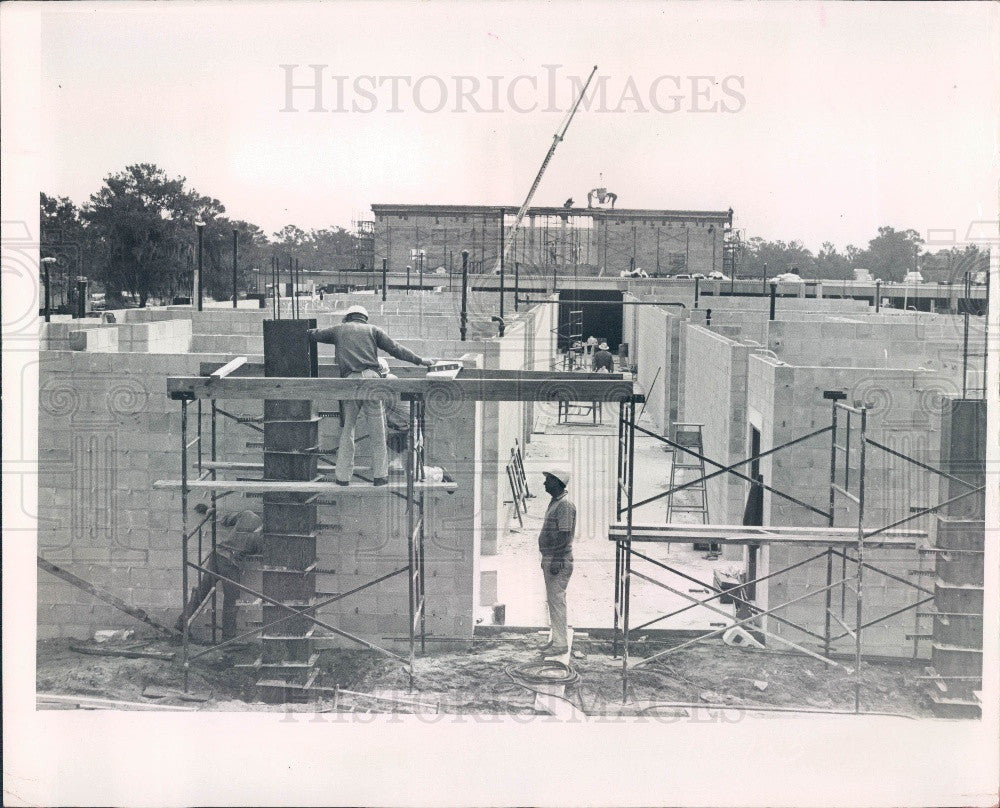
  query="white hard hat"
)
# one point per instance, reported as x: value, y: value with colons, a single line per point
x: 559, y: 473
x: 356, y: 310
x: 603, y: 346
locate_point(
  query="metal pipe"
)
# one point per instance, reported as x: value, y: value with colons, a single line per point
x: 215, y: 524
x: 774, y: 291
x: 464, y: 316
x: 185, y: 629
x: 235, y: 295
x: 385, y: 272
x: 628, y: 544
x: 861, y: 559
x: 878, y: 295
x: 198, y: 283
x: 410, y: 471
x: 697, y: 289
x: 48, y: 311
x: 517, y: 282
x: 503, y: 263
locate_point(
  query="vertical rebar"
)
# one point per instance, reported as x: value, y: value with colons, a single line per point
x: 774, y: 292
x: 48, y: 298
x: 385, y: 273
x: 697, y: 289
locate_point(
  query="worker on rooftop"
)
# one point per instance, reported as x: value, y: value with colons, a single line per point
x: 555, y: 542
x: 603, y: 359
x: 357, y: 344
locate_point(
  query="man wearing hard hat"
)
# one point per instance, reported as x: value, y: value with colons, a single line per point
x: 555, y: 542
x: 357, y: 343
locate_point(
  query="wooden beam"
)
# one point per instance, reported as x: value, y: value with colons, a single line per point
x: 744, y: 534
x: 303, y: 486
x: 106, y: 596
x: 330, y: 370
x: 452, y: 390
x: 230, y: 367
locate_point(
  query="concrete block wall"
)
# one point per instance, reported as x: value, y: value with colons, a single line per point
x: 656, y: 337
x: 785, y: 402
x: 716, y: 396
x: 107, y: 431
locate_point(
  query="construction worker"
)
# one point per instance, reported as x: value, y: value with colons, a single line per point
x: 555, y: 542
x: 397, y: 415
x: 241, y: 537
x: 357, y: 344
x: 603, y: 359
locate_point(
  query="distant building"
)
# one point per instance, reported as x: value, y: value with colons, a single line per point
x: 591, y: 240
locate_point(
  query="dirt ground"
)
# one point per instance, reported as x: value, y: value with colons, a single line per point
x: 474, y: 680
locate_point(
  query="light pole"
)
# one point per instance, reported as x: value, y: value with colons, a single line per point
x: 234, y: 268
x: 196, y: 291
x: 46, y: 262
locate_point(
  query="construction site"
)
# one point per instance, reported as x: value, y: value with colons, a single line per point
x: 779, y: 498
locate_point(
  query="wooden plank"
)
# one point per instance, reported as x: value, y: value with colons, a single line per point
x: 286, y: 388
x: 301, y: 486
x: 107, y: 597
x: 331, y: 370
x: 743, y: 534
x: 91, y: 703
x: 230, y: 367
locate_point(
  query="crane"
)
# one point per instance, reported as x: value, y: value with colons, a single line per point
x: 556, y: 139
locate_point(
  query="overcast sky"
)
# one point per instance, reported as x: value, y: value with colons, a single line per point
x: 829, y: 120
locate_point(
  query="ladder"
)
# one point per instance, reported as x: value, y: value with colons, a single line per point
x: 686, y: 468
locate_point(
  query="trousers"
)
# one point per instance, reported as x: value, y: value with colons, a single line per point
x: 374, y: 413
x: 555, y: 595
x: 228, y: 568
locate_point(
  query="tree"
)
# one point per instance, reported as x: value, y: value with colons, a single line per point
x: 892, y: 253
x: 144, y: 220
x: 65, y: 238
x: 831, y: 264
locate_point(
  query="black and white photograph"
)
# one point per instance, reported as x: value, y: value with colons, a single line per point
x: 500, y: 403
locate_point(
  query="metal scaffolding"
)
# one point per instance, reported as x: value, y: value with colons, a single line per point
x: 847, y: 544
x: 241, y: 380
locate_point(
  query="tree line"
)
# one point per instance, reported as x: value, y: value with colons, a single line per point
x: 137, y: 237
x: 889, y: 256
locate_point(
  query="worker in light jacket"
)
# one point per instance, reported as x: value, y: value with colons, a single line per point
x: 555, y: 542
x: 357, y: 344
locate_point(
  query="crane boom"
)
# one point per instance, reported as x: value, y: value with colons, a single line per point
x: 556, y: 139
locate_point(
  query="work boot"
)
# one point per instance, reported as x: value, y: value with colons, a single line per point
x: 380, y: 481
x: 338, y: 482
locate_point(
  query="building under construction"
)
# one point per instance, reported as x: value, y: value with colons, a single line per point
x: 814, y: 467
x: 592, y: 240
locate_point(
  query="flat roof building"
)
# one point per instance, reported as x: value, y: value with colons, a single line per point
x: 594, y: 241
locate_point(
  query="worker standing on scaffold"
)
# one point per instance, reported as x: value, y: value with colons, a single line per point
x: 357, y: 344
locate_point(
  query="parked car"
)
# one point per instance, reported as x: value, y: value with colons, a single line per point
x: 634, y: 273
x: 698, y: 275
x: 715, y: 275
x: 913, y: 277
x: 786, y: 277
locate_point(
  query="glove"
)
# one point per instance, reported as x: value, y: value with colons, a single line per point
x: 555, y: 567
